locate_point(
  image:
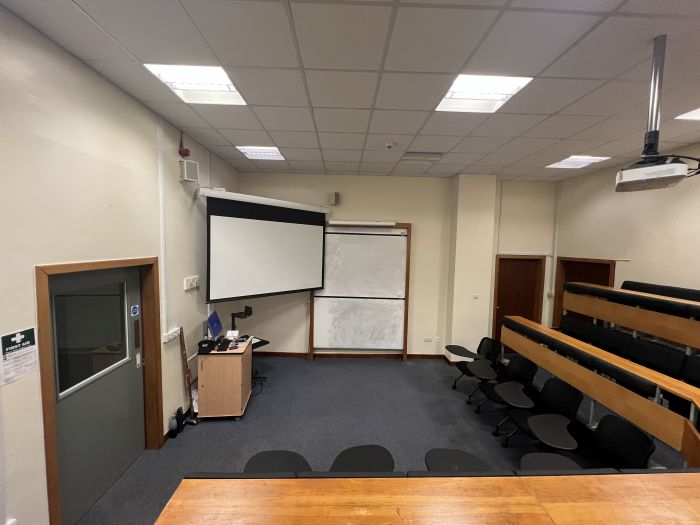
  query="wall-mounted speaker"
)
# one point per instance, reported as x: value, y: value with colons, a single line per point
x: 334, y: 198
x: 189, y: 171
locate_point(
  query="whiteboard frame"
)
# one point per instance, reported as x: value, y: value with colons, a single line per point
x: 404, y: 352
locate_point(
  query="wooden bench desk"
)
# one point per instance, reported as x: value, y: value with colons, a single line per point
x: 618, y: 499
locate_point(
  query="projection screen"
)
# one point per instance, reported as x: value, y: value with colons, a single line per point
x: 259, y: 249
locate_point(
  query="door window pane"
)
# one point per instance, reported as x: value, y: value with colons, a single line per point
x: 90, y: 332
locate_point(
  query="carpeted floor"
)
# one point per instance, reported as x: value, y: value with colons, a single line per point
x: 318, y: 408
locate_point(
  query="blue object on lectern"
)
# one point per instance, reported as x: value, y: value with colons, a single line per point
x: 214, y: 323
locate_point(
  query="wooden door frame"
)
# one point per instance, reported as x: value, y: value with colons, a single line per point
x: 558, y: 307
x: 152, y: 375
x: 396, y: 226
x: 539, y: 285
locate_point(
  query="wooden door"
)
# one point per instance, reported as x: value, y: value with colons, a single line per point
x: 578, y: 270
x: 519, y: 288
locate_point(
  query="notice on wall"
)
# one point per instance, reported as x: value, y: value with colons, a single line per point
x: 19, y: 355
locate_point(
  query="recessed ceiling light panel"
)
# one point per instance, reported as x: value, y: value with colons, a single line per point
x: 261, y: 152
x: 577, y: 161
x: 198, y: 84
x: 691, y: 115
x: 480, y: 93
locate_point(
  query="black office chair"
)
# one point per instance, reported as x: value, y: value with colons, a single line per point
x: 453, y: 460
x: 365, y: 458
x: 556, y: 397
x: 617, y: 443
x: 487, y: 349
x: 519, y: 370
x: 273, y: 461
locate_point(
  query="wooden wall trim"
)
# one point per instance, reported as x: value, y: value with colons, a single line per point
x: 657, y: 420
x: 670, y: 327
x: 153, y: 391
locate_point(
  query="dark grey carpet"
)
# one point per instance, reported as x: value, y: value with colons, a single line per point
x: 318, y: 408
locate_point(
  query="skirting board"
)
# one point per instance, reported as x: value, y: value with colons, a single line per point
x: 352, y: 355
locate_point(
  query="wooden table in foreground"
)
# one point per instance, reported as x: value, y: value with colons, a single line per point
x: 612, y: 499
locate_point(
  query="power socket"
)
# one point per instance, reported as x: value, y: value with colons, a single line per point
x: 191, y: 282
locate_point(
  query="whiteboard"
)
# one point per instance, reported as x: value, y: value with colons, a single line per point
x: 364, y: 265
x: 347, y: 323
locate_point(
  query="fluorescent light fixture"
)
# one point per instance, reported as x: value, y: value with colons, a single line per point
x: 691, y: 115
x: 261, y: 152
x: 481, y: 94
x: 577, y: 161
x: 198, y: 84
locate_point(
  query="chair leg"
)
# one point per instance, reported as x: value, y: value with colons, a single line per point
x: 505, y: 441
x: 454, y: 385
x: 499, y: 425
x: 477, y: 410
x: 471, y: 394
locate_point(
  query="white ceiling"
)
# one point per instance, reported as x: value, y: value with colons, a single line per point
x: 331, y: 82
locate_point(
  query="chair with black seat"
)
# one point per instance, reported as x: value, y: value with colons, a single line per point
x: 488, y: 349
x: 557, y: 398
x: 365, y: 458
x: 275, y: 461
x: 617, y: 443
x: 519, y: 371
x: 454, y: 460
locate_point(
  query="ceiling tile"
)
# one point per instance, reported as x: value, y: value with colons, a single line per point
x: 342, y: 167
x: 614, y: 148
x: 342, y: 140
x: 480, y: 144
x: 232, y: 117
x: 562, y: 126
x: 341, y: 89
x: 614, y: 46
x: 481, y: 170
x: 613, y: 128
x: 610, y: 99
x: 549, y: 95
x: 269, y: 87
x: 504, y: 125
x: 135, y: 79
x: 243, y: 33
x: 667, y: 7
x: 272, y: 165
x: 515, y: 170
x: 588, y: 5
x: 157, y: 31
x: 294, y: 139
x: 445, y: 169
x: 377, y: 167
x: 206, y: 136
x: 285, y: 119
x: 498, y: 159
x: 482, y: 3
x: 381, y: 156
x: 378, y: 141
x: 301, y: 154
x: 570, y: 147
x: 307, y: 165
x: 412, y: 90
x: 538, y: 161
x: 228, y: 152
x: 341, y: 36
x: 242, y: 164
x: 406, y: 122
x: 437, y: 143
x: 410, y: 168
x: 65, y: 23
x: 451, y: 123
x: 674, y: 128
x: 246, y: 137
x: 179, y: 114
x: 439, y: 40
x: 347, y: 120
x: 350, y: 155
x: 523, y: 43
x: 525, y: 145
x: 462, y: 159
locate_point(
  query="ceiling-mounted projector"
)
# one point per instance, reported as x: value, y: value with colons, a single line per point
x: 654, y: 171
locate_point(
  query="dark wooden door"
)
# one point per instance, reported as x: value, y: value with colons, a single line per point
x: 577, y: 270
x: 519, y: 288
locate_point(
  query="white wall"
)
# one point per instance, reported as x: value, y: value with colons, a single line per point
x: 659, y: 230
x: 81, y: 183
x: 422, y: 201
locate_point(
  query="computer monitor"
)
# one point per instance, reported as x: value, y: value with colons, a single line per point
x: 214, y: 324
